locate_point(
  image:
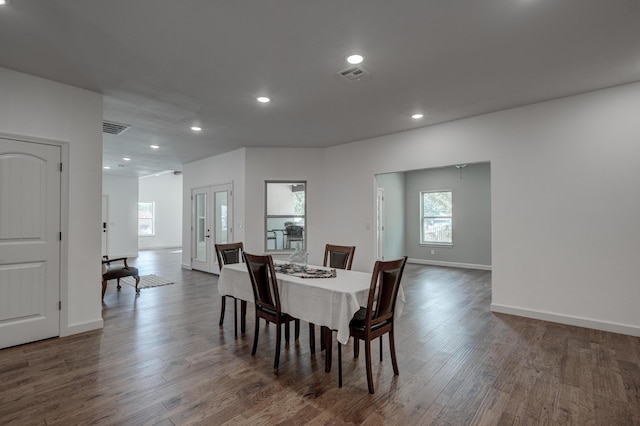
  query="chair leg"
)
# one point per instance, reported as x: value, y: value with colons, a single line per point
x: 297, y: 329
x: 381, y: 348
x: 118, y: 281
x: 137, y: 282
x: 339, y: 364
x: 104, y: 288
x: 222, y: 307
x: 235, y: 317
x: 286, y: 331
x: 367, y: 356
x: 392, y: 345
x: 255, y: 335
x: 312, y: 338
x: 356, y: 347
x: 276, y: 362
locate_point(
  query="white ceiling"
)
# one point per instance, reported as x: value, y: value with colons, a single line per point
x: 163, y: 66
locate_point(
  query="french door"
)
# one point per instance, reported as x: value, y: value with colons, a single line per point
x: 212, y: 223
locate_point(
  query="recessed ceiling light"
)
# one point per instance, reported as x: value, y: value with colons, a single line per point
x: 196, y: 128
x: 154, y: 146
x: 126, y: 158
x: 355, y: 59
x: 263, y: 99
x: 3, y: 2
x: 105, y: 167
x: 417, y: 116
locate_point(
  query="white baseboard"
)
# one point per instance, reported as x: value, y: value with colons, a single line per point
x: 449, y: 264
x: 186, y: 266
x: 567, y: 320
x: 82, y: 328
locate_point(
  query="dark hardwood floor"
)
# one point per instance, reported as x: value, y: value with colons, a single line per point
x: 161, y: 359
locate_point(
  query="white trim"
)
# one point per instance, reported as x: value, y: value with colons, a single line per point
x: 82, y: 328
x: 186, y: 266
x: 567, y: 319
x: 450, y: 264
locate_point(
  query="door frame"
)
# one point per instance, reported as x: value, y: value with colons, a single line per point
x: 63, y: 325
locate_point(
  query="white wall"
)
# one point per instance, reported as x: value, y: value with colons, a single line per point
x: 35, y: 107
x: 123, y: 215
x: 221, y: 169
x: 295, y: 164
x: 166, y: 191
x: 564, y: 196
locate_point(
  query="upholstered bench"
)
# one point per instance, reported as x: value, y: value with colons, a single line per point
x: 116, y: 271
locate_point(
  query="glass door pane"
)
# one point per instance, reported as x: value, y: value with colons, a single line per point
x: 221, y: 201
x: 201, y: 231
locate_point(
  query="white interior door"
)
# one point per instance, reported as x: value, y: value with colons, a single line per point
x: 380, y: 224
x: 212, y: 224
x: 29, y: 241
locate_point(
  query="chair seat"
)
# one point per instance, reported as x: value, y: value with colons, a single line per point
x: 359, y: 318
x: 118, y: 271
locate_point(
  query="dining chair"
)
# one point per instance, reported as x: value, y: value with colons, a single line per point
x: 338, y: 257
x: 227, y: 254
x: 376, y: 319
x: 267, y: 299
x: 113, y: 269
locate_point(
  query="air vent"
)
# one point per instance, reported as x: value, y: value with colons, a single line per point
x: 114, y: 128
x: 354, y: 73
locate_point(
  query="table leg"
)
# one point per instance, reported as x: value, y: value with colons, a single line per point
x: 327, y: 348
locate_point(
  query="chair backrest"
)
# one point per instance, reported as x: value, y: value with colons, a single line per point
x: 263, y: 280
x: 385, y: 283
x: 339, y: 257
x: 229, y: 253
x: 294, y: 230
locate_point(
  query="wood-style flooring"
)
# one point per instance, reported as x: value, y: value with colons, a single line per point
x: 162, y: 359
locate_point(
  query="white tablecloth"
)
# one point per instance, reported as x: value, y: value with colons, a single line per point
x: 331, y: 302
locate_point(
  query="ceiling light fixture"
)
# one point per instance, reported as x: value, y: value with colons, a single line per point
x: 417, y: 116
x: 3, y: 2
x: 196, y: 128
x: 154, y: 146
x: 355, y: 59
x: 126, y: 158
x: 263, y: 99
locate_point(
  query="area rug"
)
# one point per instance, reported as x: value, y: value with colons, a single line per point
x: 147, y: 281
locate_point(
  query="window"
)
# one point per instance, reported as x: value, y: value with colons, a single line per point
x: 146, y: 219
x: 285, y: 215
x: 437, y: 212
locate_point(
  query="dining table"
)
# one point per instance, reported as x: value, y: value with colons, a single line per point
x: 329, y: 300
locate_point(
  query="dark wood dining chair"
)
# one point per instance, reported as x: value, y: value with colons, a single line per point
x: 338, y: 257
x: 376, y: 319
x: 227, y: 254
x: 267, y: 300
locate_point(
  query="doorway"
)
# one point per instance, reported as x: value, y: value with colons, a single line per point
x: 212, y: 223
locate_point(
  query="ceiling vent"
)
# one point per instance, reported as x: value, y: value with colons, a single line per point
x: 354, y: 73
x: 114, y: 128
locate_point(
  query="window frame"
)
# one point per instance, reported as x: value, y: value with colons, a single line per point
x: 423, y: 218
x: 268, y: 216
x: 153, y: 218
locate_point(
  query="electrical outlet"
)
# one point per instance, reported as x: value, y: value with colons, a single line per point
x: 433, y: 252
